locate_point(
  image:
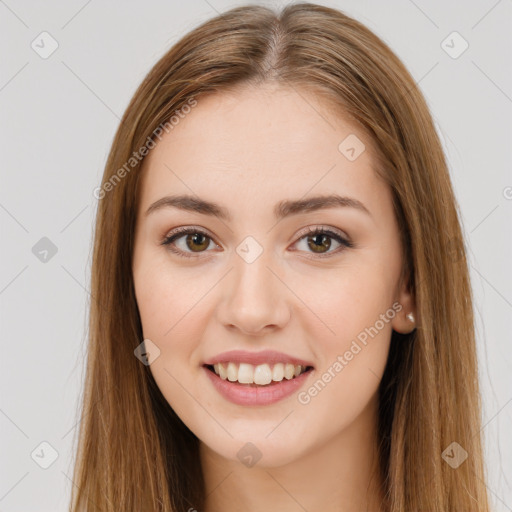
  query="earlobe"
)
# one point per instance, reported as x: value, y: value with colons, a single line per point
x: 404, y: 321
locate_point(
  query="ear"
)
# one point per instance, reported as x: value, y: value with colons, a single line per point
x: 403, y: 322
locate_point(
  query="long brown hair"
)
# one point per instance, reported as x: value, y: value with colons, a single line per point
x: 133, y: 452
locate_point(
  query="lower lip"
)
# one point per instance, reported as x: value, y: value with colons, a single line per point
x: 245, y: 394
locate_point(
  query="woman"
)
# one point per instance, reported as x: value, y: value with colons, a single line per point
x: 282, y: 315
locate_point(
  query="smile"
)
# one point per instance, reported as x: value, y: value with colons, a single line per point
x: 264, y: 384
x: 261, y: 374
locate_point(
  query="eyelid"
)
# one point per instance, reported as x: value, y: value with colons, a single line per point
x: 324, y: 229
x: 186, y: 230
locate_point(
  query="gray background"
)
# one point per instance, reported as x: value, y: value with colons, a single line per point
x: 59, y: 115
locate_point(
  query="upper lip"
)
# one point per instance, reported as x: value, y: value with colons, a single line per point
x: 256, y: 358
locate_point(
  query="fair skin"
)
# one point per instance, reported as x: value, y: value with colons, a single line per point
x: 246, y: 151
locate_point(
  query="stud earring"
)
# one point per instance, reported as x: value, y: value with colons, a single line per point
x: 410, y: 317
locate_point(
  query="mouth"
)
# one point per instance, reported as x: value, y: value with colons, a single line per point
x: 257, y: 378
x: 251, y: 393
x: 260, y: 376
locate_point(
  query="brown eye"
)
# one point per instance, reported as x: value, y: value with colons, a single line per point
x: 194, y: 241
x: 197, y: 241
x: 319, y: 242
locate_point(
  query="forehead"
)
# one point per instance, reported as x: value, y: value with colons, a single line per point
x: 259, y: 144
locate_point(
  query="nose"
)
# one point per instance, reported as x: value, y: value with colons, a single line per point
x: 255, y: 299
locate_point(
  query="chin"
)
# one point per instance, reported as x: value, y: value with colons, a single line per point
x: 256, y: 449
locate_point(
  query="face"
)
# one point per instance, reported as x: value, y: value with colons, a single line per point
x: 245, y: 279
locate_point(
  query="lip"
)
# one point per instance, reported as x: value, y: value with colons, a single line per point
x: 256, y: 358
x: 250, y: 394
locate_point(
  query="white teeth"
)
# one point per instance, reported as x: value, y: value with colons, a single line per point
x: 222, y: 371
x: 262, y: 374
x: 289, y: 370
x: 232, y: 372
x: 245, y: 373
x: 278, y: 372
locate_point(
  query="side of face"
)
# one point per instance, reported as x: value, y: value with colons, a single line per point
x: 247, y: 151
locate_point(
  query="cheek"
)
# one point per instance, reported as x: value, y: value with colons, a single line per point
x: 343, y: 303
x: 352, y: 342
x: 173, y: 317
x: 168, y: 300
x: 167, y: 313
x: 353, y: 362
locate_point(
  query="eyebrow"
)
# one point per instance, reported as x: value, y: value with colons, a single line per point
x: 282, y: 209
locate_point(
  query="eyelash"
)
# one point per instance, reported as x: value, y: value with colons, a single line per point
x: 179, y: 232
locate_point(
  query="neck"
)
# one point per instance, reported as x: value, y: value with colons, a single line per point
x: 341, y: 474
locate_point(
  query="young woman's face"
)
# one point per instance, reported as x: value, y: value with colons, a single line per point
x: 252, y: 277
